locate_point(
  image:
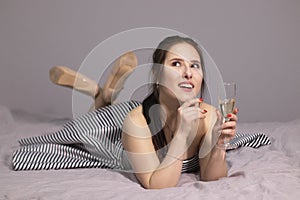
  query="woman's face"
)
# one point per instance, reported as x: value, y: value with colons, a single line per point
x: 182, y: 72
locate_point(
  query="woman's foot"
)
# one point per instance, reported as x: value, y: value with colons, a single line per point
x: 118, y: 75
x: 65, y: 76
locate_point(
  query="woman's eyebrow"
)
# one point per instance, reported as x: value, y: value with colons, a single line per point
x: 177, y: 59
x: 196, y: 61
x: 180, y: 59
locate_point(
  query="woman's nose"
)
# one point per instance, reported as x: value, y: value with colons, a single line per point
x: 187, y: 72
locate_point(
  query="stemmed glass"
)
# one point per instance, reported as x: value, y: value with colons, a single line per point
x: 226, y: 98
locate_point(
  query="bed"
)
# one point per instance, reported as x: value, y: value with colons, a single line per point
x: 269, y: 172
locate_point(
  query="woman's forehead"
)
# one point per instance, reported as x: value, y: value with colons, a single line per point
x: 184, y: 51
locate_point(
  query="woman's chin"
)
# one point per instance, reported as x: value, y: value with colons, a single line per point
x: 184, y: 98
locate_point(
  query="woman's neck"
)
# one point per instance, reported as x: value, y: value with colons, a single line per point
x: 169, y: 112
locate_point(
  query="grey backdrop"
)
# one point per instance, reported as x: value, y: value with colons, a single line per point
x: 254, y: 42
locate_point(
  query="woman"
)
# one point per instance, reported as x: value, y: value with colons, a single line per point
x: 161, y: 142
x: 157, y: 139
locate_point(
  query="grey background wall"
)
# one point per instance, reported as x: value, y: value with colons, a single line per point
x: 254, y: 42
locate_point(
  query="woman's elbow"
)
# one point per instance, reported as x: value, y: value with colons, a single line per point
x: 159, y: 185
x: 214, y: 177
x: 155, y: 187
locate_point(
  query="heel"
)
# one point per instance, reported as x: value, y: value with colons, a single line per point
x: 67, y: 77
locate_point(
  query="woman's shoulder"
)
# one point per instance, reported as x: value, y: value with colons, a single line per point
x: 135, y: 122
x: 136, y: 115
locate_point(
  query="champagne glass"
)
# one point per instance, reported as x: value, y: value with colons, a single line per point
x: 226, y: 102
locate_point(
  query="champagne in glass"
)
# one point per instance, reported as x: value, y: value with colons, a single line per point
x: 226, y: 107
x: 226, y: 103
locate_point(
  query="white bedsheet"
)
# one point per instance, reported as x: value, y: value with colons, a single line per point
x: 270, y: 172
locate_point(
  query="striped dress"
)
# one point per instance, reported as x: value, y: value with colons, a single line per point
x: 94, y: 141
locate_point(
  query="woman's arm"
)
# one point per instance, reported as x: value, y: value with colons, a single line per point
x: 138, y: 144
x: 149, y: 171
x: 213, y: 165
x: 137, y: 141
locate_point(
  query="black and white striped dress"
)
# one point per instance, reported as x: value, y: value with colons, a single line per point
x: 94, y: 141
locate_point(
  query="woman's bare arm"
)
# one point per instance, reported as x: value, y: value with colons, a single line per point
x: 213, y: 164
x: 150, y: 172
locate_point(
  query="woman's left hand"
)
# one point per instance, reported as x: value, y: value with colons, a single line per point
x: 228, y: 129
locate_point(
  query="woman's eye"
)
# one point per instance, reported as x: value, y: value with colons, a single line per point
x: 176, y: 64
x: 195, y: 65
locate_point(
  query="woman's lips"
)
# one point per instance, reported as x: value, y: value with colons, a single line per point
x: 186, y: 86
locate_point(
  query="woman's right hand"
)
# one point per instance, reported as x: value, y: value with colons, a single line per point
x: 188, y: 117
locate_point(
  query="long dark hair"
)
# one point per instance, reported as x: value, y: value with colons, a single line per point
x: 159, y: 55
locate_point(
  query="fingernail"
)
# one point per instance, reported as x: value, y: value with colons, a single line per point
x: 205, y: 110
x: 229, y: 115
x: 201, y: 99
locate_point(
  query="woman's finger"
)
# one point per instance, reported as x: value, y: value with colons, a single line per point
x: 230, y: 133
x: 235, y: 111
x: 232, y: 117
x: 192, y: 113
x: 219, y: 117
x: 189, y: 103
x: 194, y: 109
x: 229, y: 124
